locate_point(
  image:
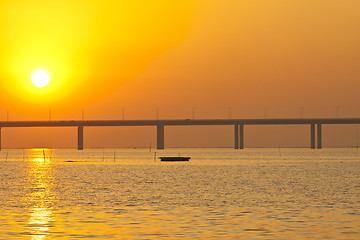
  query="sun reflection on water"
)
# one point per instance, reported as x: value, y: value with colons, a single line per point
x: 39, y: 223
x: 41, y: 196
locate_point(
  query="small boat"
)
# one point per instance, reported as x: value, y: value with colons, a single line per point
x: 174, y: 159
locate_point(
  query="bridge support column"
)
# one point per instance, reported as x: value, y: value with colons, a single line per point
x: 241, y: 136
x: 312, y: 141
x: 160, y: 136
x: 319, y: 137
x: 236, y: 134
x: 80, y: 137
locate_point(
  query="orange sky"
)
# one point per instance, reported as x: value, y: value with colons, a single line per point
x: 90, y: 49
x: 210, y: 55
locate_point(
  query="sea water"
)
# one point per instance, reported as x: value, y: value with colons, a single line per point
x: 218, y: 194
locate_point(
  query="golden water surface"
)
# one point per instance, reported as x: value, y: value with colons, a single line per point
x: 219, y: 194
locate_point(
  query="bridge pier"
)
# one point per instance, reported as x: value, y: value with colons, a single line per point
x: 319, y: 137
x: 80, y: 137
x: 236, y: 134
x: 312, y: 141
x: 241, y: 136
x: 160, y: 136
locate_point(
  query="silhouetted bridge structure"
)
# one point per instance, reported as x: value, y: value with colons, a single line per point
x: 315, y: 125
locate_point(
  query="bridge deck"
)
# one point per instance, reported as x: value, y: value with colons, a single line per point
x: 178, y: 122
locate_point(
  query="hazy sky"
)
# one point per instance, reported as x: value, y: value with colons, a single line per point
x: 223, y: 58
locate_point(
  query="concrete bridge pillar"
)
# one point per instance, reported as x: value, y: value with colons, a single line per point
x: 312, y: 141
x: 80, y: 137
x: 241, y: 136
x: 160, y: 136
x: 236, y: 134
x: 319, y: 137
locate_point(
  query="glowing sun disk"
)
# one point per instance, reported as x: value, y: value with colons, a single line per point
x: 40, y: 78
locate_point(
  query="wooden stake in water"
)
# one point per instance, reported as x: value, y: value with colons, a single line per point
x: 44, y: 155
x: 7, y: 154
x: 155, y: 157
x: 114, y: 156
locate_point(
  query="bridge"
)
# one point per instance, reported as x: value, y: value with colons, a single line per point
x: 315, y: 125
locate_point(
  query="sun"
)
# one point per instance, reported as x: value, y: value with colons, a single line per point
x: 40, y: 78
